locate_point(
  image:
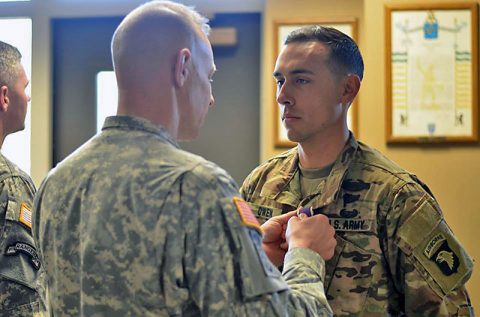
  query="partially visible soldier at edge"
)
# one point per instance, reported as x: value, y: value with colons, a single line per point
x: 21, y: 280
x: 395, y: 254
x: 131, y: 225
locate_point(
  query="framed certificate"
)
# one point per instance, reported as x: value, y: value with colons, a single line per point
x: 432, y: 72
x: 282, y: 29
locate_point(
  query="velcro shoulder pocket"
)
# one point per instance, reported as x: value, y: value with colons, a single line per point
x: 426, y: 237
x: 19, y: 258
x: 259, y: 276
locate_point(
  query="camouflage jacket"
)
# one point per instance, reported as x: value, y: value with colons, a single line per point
x: 130, y: 225
x: 21, y: 279
x: 395, y: 254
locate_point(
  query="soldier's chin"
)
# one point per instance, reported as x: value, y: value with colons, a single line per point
x: 293, y: 138
x: 19, y: 128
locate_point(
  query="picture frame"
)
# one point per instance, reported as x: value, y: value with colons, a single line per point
x: 431, y: 72
x: 281, y: 29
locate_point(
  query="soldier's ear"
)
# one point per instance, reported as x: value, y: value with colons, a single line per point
x: 182, y: 66
x: 351, y: 86
x: 4, y: 100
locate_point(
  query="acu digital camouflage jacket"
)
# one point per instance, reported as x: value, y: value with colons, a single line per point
x: 22, y: 288
x: 131, y: 225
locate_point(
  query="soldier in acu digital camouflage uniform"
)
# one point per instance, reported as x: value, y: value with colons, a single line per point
x: 20, y: 268
x: 131, y: 225
x: 395, y: 254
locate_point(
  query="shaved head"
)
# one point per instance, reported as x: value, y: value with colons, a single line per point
x: 10, y: 63
x: 150, y: 36
x: 164, y: 65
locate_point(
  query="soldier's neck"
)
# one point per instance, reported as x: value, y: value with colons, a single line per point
x: 322, y: 152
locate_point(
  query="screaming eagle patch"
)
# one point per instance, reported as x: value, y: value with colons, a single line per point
x: 438, y: 251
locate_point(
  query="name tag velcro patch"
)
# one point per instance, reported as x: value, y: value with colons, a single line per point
x: 438, y: 251
x: 27, y: 249
x: 246, y: 214
x: 265, y: 212
x: 25, y: 216
x: 349, y: 224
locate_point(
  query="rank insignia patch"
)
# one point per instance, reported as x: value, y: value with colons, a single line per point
x: 438, y: 251
x: 25, y: 215
x: 246, y: 214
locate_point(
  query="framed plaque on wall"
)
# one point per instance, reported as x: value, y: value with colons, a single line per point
x: 432, y: 72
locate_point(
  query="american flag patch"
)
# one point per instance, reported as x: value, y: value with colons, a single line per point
x: 246, y: 214
x: 25, y: 215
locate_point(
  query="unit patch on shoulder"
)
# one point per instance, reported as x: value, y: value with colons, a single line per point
x: 246, y: 214
x: 25, y: 248
x: 25, y: 215
x: 438, y: 251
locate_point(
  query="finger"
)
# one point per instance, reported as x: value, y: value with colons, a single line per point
x: 293, y: 219
x: 330, y: 231
x: 322, y: 217
x: 283, y: 219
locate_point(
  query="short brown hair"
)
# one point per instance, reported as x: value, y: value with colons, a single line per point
x: 344, y: 52
x: 10, y: 58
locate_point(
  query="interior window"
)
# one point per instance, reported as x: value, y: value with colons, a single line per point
x: 106, y: 96
x: 17, y: 145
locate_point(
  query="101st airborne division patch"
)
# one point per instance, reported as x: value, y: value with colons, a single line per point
x: 438, y: 251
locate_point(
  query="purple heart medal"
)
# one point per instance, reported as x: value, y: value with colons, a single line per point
x: 308, y: 211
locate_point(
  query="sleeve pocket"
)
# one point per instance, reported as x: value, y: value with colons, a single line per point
x: 18, y: 256
x: 428, y: 241
x: 257, y: 274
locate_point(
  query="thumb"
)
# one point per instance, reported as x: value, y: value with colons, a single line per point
x: 293, y: 220
x: 288, y: 215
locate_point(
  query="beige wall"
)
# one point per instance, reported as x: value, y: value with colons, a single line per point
x: 451, y: 172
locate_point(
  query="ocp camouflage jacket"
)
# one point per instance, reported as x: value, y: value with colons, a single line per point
x: 395, y: 253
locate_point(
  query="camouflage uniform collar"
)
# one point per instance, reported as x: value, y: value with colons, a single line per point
x: 276, y: 187
x: 136, y: 123
x: 337, y: 174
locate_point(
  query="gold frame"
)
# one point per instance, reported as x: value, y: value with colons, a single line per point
x: 390, y: 9
x: 353, y: 111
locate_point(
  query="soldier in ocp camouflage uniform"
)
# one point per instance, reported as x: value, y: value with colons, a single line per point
x: 21, y: 280
x: 131, y: 225
x: 395, y: 254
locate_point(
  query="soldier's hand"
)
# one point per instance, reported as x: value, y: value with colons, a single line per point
x: 274, y: 237
x: 314, y: 233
